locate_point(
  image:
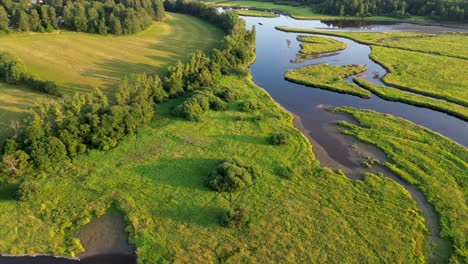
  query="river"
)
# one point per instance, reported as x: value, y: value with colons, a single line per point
x: 275, y: 52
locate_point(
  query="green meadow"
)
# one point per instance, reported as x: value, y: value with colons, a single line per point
x: 313, y: 45
x: 77, y: 62
x: 452, y: 44
x: 415, y: 61
x: 80, y: 62
x: 157, y: 176
x: 434, y: 163
x: 325, y: 76
x: 394, y: 94
x: 431, y: 75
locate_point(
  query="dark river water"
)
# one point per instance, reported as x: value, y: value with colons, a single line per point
x: 275, y: 51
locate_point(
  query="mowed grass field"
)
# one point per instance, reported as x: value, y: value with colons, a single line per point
x: 157, y: 178
x: 79, y: 62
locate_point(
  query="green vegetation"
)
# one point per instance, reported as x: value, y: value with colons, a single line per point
x: 83, y: 16
x: 329, y: 77
x: 13, y: 71
x: 313, y: 45
x: 450, y: 44
x: 232, y: 175
x: 157, y: 176
x: 431, y: 75
x: 104, y: 60
x: 412, y: 65
x: 255, y: 13
x: 14, y: 104
x: 393, y: 94
x: 280, y: 138
x: 437, y: 165
x: 304, y: 12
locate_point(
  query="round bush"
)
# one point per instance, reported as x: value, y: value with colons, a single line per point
x: 27, y: 190
x: 280, y: 138
x: 236, y: 217
x: 227, y: 94
x: 249, y: 106
x: 231, y: 175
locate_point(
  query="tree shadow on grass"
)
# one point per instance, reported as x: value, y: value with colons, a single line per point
x: 244, y: 139
x: 8, y: 191
x: 110, y: 72
x: 179, y: 172
x: 206, y: 216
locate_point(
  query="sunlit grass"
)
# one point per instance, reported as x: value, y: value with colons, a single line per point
x: 437, y: 165
x: 157, y: 178
x: 329, y: 77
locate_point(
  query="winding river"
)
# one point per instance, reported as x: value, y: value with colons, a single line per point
x: 275, y: 52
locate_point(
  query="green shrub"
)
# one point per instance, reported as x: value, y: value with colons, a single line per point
x: 280, y: 138
x: 28, y: 189
x: 236, y: 217
x: 287, y: 172
x: 227, y: 94
x: 249, y: 106
x: 200, y: 101
x: 232, y: 175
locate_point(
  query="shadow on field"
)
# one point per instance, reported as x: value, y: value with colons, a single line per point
x: 8, y: 191
x: 192, y: 214
x: 244, y: 139
x: 112, y: 71
x: 179, y: 172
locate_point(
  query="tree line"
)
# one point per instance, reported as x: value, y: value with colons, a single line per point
x: 95, y: 16
x: 453, y: 10
x: 13, y: 71
x: 63, y: 128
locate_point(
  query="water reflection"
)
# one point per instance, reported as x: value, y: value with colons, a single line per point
x: 274, y: 59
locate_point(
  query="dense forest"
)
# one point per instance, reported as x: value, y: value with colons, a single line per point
x: 454, y: 10
x: 94, y: 16
x: 60, y: 129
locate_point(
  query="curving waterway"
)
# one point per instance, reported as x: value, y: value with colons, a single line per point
x: 276, y: 51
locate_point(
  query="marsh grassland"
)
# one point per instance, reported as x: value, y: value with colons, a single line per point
x: 312, y: 46
x: 329, y: 77
x: 157, y: 178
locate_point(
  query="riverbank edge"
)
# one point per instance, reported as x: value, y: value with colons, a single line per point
x: 429, y: 22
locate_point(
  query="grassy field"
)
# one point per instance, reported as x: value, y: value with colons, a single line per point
x: 79, y: 61
x: 312, y: 45
x: 325, y: 76
x: 157, y: 178
x: 393, y: 94
x: 431, y: 75
x: 302, y: 12
x: 452, y: 44
x: 413, y: 62
x: 14, y: 104
x: 255, y: 13
x: 437, y: 165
